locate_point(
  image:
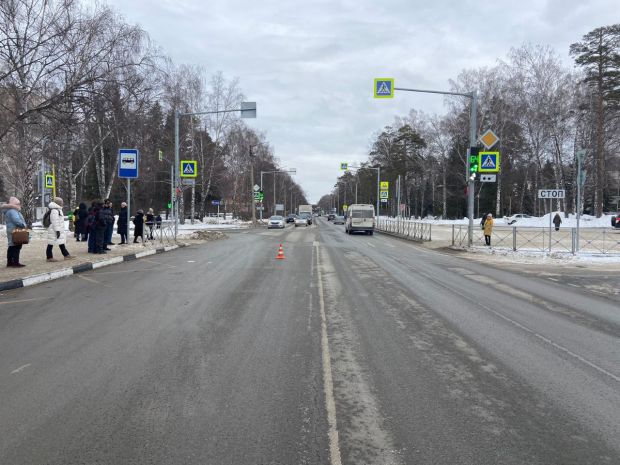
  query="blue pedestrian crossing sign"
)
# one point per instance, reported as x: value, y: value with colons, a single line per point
x: 384, y: 88
x: 189, y: 168
x: 488, y: 162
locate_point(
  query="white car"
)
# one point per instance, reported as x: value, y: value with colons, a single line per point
x: 514, y: 218
x: 301, y: 221
x: 277, y: 222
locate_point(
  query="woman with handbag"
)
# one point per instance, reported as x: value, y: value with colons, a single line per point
x: 15, y: 223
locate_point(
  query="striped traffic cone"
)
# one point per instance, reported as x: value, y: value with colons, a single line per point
x: 280, y: 255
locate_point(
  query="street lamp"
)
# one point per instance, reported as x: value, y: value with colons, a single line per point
x: 274, y: 172
x: 248, y: 110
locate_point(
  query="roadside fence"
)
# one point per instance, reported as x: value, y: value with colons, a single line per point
x: 591, y: 240
x: 163, y: 235
x: 414, y: 230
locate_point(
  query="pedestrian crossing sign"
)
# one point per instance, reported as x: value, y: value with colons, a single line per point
x: 488, y: 162
x: 189, y: 168
x: 50, y: 181
x: 384, y: 88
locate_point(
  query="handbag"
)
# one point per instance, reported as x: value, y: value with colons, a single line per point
x: 20, y: 236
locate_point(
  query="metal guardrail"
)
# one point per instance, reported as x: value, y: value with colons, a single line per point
x: 414, y: 230
x: 591, y: 240
x: 163, y: 235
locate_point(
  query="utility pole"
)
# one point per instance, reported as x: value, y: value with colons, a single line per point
x: 252, y: 188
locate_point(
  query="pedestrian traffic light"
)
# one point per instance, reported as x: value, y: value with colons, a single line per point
x: 473, y: 159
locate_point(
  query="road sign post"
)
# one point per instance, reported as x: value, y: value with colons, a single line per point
x: 473, y: 95
x: 551, y: 194
x: 128, y: 169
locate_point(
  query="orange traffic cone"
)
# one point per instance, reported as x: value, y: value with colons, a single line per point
x: 280, y: 255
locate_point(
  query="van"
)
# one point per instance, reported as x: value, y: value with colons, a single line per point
x: 360, y: 217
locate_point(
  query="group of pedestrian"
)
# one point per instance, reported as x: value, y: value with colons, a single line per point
x: 94, y: 224
x: 486, y: 223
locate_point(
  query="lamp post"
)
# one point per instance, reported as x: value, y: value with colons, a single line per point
x: 274, y: 172
x: 248, y: 110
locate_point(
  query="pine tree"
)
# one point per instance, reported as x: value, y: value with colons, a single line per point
x: 599, y: 55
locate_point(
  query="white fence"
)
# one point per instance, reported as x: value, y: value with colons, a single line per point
x: 414, y: 230
x: 591, y: 240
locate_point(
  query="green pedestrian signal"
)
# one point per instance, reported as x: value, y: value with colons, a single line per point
x: 169, y: 204
x: 474, y: 162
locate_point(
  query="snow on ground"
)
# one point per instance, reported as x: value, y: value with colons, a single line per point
x: 536, y: 256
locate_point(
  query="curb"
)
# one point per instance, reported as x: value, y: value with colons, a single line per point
x: 81, y: 268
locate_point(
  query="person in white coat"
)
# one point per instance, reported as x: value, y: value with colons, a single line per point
x: 56, y: 231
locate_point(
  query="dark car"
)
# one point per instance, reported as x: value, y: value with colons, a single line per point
x: 291, y: 218
x: 330, y: 217
x: 615, y: 220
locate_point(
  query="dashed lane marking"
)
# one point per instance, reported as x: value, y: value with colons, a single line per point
x: 17, y: 370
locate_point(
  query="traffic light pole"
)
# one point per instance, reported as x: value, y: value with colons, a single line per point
x: 472, y: 141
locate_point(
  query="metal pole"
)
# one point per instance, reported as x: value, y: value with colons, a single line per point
x: 172, y: 191
x: 176, y: 171
x: 42, y: 183
x: 274, y: 193
x: 579, y: 168
x: 128, y: 207
x: 398, y: 197
x: 378, y: 186
x: 550, y: 207
x: 470, y: 182
x: 252, y: 188
x: 262, y: 203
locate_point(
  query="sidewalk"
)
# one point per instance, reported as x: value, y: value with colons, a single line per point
x: 37, y: 268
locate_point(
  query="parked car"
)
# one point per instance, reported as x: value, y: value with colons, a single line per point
x: 299, y: 221
x: 615, y: 221
x: 330, y: 217
x: 276, y: 222
x: 514, y: 218
x: 291, y: 218
x: 339, y: 219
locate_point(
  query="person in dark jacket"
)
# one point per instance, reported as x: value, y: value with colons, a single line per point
x: 138, y: 230
x: 121, y: 224
x: 108, y: 212
x: 557, y: 221
x: 81, y: 220
x: 91, y: 219
x: 150, y: 222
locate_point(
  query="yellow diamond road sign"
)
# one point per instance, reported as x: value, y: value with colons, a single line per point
x: 489, y: 139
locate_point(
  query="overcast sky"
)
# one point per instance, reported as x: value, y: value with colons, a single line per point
x: 310, y: 64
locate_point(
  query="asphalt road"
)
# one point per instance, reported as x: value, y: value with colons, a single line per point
x: 353, y: 350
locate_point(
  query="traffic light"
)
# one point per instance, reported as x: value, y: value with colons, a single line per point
x: 473, y: 159
x: 473, y: 162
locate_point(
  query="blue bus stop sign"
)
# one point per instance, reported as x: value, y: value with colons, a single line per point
x: 128, y: 163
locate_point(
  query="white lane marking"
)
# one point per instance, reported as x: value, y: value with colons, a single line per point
x: 390, y: 245
x: 23, y: 367
x: 571, y: 284
x: 370, y: 245
x: 328, y: 383
x: 530, y: 331
x: 191, y: 261
x: 21, y: 301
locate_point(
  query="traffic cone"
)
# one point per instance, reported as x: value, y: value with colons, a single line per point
x: 280, y: 255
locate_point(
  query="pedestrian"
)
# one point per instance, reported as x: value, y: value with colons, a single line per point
x: 121, y: 223
x: 108, y: 212
x: 81, y: 228
x: 91, y: 226
x: 101, y: 224
x: 158, y: 221
x: 13, y: 219
x: 488, y: 229
x: 150, y: 221
x: 557, y: 221
x: 56, y: 234
x: 138, y: 230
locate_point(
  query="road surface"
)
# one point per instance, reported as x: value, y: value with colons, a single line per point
x: 352, y: 350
